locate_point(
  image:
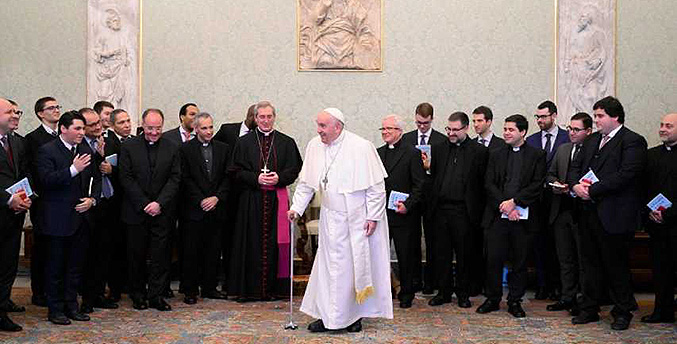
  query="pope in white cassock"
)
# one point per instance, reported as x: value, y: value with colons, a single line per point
x: 350, y: 279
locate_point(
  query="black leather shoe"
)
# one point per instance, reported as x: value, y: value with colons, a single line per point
x: 464, y: 302
x: 541, y: 293
x: 215, y: 295
x: 139, y: 304
x: 12, y: 307
x: 405, y: 304
x: 575, y: 310
x: 559, y: 306
x: 105, y: 303
x: 584, y: 318
x: 439, y: 300
x: 317, y: 326
x: 58, y: 319
x: 355, y: 327
x: 621, y: 322
x: 77, y: 316
x: 190, y: 299
x: 160, y: 304
x: 516, y: 310
x: 488, y: 306
x: 39, y: 300
x: 657, y: 318
x: 7, y: 325
x: 86, y: 308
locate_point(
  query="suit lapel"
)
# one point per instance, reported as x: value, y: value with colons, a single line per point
x: 609, y: 147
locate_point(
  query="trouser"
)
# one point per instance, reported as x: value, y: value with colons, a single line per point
x: 453, y: 235
x: 148, y: 238
x: 664, y: 259
x: 66, y: 256
x: 10, y: 245
x: 99, y: 252
x: 545, y: 253
x: 507, y: 240
x: 201, y: 250
x: 566, y: 243
x: 38, y: 253
x: 405, y: 237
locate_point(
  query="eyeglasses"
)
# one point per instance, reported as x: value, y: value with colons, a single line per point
x: 542, y: 116
x: 575, y: 130
x: 19, y: 113
x: 93, y: 125
x: 388, y: 129
x: 455, y: 130
x: 423, y: 123
x: 52, y: 108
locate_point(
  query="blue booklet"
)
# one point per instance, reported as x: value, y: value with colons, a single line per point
x: 425, y: 149
x: 24, y: 185
x: 396, y: 196
x: 524, y: 213
x: 112, y: 159
x: 659, y: 203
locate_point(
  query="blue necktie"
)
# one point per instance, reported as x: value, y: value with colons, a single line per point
x: 106, y: 185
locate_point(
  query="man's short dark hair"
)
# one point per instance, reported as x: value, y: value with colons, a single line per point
x: 583, y: 117
x: 184, y: 109
x: 40, y: 104
x: 67, y: 119
x: 115, y: 114
x: 425, y: 110
x: 459, y: 116
x: 484, y: 110
x: 149, y: 110
x: 520, y: 122
x: 98, y: 106
x: 84, y: 110
x: 552, y: 108
x: 612, y: 107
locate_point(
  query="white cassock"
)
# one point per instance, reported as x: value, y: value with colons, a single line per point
x: 350, y: 278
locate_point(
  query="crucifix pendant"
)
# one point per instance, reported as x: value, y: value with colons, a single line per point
x: 265, y: 169
x: 325, y: 181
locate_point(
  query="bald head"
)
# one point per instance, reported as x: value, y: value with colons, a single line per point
x: 668, y: 130
x: 328, y: 127
x: 6, y: 111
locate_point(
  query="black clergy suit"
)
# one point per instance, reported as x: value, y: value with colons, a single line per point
x: 458, y: 203
x: 607, y: 223
x: 12, y: 170
x: 34, y: 140
x: 148, y: 173
x: 661, y: 177
x: 506, y: 179
x: 229, y: 133
x: 405, y: 174
x: 66, y: 230
x: 425, y: 214
x: 201, y: 178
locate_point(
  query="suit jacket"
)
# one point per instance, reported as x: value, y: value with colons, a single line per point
x: 474, y: 169
x: 405, y: 174
x: 619, y: 165
x: 10, y: 174
x: 661, y: 169
x: 173, y: 135
x: 495, y: 143
x: 142, y: 186
x: 534, y: 140
x: 196, y: 183
x: 113, y: 146
x: 34, y: 140
x: 229, y: 133
x: 61, y: 192
x: 558, y: 172
x: 531, y: 183
x: 411, y: 138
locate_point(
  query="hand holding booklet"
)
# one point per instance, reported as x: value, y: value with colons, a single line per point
x: 425, y: 149
x: 112, y: 159
x: 524, y: 213
x: 395, y: 197
x: 589, y: 178
x: 659, y: 203
x: 22, y: 185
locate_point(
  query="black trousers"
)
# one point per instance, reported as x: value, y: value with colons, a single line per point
x: 38, y: 253
x: 664, y: 259
x: 405, y: 237
x: 201, y: 252
x: 566, y: 243
x: 604, y: 255
x: 65, y: 261
x: 545, y: 253
x: 10, y: 245
x: 453, y: 236
x: 150, y: 238
x: 507, y: 240
x: 99, y: 252
x: 118, y: 268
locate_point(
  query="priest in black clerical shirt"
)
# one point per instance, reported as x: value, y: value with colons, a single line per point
x: 514, y: 181
x: 661, y: 178
x: 265, y: 162
x: 457, y: 166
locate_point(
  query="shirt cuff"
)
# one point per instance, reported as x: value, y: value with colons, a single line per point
x: 74, y: 172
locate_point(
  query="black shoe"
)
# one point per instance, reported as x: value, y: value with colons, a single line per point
x: 105, y: 303
x: 167, y: 294
x: 355, y: 327
x: 575, y: 310
x: 115, y: 296
x: 439, y: 300
x: 541, y: 293
x: 554, y: 295
x: 559, y: 306
x: 516, y: 310
x: 58, y: 319
x: 7, y: 325
x: 12, y: 307
x: 160, y: 304
x: 405, y: 304
x: 428, y: 290
x: 77, y: 316
x: 317, y: 326
x: 488, y: 306
x: 657, y: 318
x: 190, y: 299
x: 464, y: 302
x: 621, y: 322
x: 39, y: 300
x: 215, y: 295
x: 139, y: 304
x: 86, y: 308
x: 584, y: 318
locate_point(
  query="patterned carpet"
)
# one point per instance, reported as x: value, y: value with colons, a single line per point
x: 213, y: 321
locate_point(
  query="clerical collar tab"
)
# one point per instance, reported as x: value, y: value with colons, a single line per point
x: 515, y: 149
x: 669, y: 148
x: 205, y: 144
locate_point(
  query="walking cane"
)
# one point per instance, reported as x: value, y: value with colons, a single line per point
x: 291, y: 325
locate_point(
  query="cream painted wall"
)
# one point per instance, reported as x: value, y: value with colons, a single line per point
x: 225, y: 55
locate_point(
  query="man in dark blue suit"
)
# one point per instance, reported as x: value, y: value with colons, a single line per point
x: 71, y: 187
x: 549, y: 138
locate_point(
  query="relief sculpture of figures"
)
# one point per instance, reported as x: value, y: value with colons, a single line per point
x: 586, y: 54
x: 340, y: 34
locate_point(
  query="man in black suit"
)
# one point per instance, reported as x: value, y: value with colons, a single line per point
x: 205, y: 185
x: 424, y: 135
x: 185, y: 131
x: 150, y: 173
x: 514, y: 182
x: 229, y: 133
x: 405, y: 174
x: 104, y: 109
x: 48, y: 111
x: 482, y: 118
x: 458, y: 167
x: 13, y: 168
x: 561, y: 218
x: 71, y: 187
x: 662, y: 222
x: 609, y: 211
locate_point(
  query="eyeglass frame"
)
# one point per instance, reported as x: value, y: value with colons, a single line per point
x: 52, y: 108
x: 454, y: 130
x: 388, y: 128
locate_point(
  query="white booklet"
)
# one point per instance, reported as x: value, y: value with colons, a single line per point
x: 589, y: 178
x: 112, y: 159
x: 524, y: 213
x: 24, y: 185
x: 659, y: 203
x: 395, y: 197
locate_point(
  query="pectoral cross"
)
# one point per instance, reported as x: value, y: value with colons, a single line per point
x: 265, y: 169
x: 325, y: 181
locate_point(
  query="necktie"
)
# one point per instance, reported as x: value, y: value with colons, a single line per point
x: 73, y: 151
x: 483, y: 142
x: 186, y: 136
x: 423, y: 139
x: 8, y: 150
x: 106, y: 185
x: 577, y: 149
x: 605, y: 139
x: 548, y: 143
